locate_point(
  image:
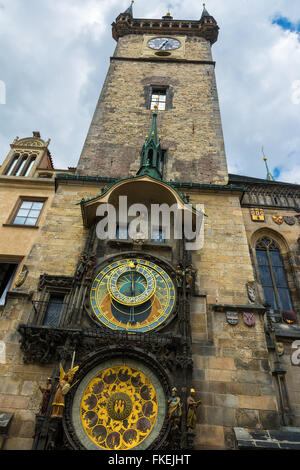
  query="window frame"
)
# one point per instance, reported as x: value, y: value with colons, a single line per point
x: 16, y: 263
x: 150, y: 90
x: 17, y: 207
x: 271, y: 267
x: 157, y: 102
x: 51, y: 295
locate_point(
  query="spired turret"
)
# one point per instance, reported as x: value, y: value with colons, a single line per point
x: 151, y: 153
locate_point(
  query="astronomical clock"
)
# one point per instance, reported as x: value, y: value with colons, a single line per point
x: 133, y: 294
x: 120, y: 399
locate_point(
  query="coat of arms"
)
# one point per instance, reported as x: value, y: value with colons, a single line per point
x: 278, y: 219
x: 249, y: 318
x: 257, y: 215
x: 251, y: 292
x: 288, y: 316
x: 280, y: 349
x: 232, y: 318
x: 290, y: 220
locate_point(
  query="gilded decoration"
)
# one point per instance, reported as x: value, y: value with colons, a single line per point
x: 132, y: 294
x: 119, y: 408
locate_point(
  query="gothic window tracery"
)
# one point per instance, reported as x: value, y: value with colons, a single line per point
x: 272, y: 274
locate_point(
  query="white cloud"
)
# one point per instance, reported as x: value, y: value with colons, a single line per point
x: 55, y: 54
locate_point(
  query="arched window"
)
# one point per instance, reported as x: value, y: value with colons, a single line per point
x: 272, y: 275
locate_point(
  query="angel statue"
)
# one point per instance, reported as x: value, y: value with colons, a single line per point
x: 64, y: 385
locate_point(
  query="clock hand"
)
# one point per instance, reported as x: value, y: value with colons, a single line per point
x: 163, y: 44
x: 132, y: 295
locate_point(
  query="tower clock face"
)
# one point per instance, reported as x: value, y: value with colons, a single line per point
x: 132, y: 294
x: 164, y: 44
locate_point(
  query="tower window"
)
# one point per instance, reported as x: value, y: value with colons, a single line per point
x: 54, y: 310
x: 158, y: 97
x: 272, y: 275
x: 28, y: 213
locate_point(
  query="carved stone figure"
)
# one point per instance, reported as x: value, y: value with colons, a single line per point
x: 64, y: 385
x: 179, y: 274
x: 190, y: 275
x: 175, y: 408
x: 90, y: 265
x: 192, y: 406
x: 21, y: 277
x: 81, y: 267
x: 46, y: 391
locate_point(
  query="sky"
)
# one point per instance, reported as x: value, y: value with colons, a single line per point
x: 54, y: 56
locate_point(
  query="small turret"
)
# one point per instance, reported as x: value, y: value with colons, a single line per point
x: 151, y: 154
x: 204, y: 12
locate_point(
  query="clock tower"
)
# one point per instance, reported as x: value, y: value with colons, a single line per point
x: 168, y: 62
x: 135, y: 326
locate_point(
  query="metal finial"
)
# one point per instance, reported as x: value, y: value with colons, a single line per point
x: 269, y: 174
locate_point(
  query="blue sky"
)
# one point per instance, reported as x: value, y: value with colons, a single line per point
x: 54, y: 56
x: 286, y: 24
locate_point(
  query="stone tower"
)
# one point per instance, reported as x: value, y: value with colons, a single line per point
x: 123, y: 333
x: 151, y: 62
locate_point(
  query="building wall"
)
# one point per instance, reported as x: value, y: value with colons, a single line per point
x: 230, y: 371
x: 18, y: 240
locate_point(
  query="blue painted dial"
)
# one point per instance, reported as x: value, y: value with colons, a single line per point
x: 132, y: 294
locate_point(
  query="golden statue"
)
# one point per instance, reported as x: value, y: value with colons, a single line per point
x: 64, y: 385
x: 192, y: 406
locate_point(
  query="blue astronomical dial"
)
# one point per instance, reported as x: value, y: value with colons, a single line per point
x: 132, y: 294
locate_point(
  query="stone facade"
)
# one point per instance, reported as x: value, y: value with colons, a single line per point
x: 249, y: 390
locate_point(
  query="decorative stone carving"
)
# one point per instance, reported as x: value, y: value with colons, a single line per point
x: 46, y: 391
x: 251, y: 291
x: 21, y: 276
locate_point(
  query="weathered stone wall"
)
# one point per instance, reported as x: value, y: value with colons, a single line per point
x: 19, y: 383
x: 292, y: 375
x: 191, y: 131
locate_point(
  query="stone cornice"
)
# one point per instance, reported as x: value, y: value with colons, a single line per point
x: 164, y: 59
x: 206, y: 28
x: 21, y: 181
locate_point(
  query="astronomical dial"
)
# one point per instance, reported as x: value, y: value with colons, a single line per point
x: 132, y: 294
x: 164, y: 44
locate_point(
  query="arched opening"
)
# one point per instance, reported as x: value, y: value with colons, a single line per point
x: 272, y: 274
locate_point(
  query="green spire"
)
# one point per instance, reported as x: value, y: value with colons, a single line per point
x: 129, y: 10
x: 151, y: 154
x: 205, y: 12
x: 269, y: 174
